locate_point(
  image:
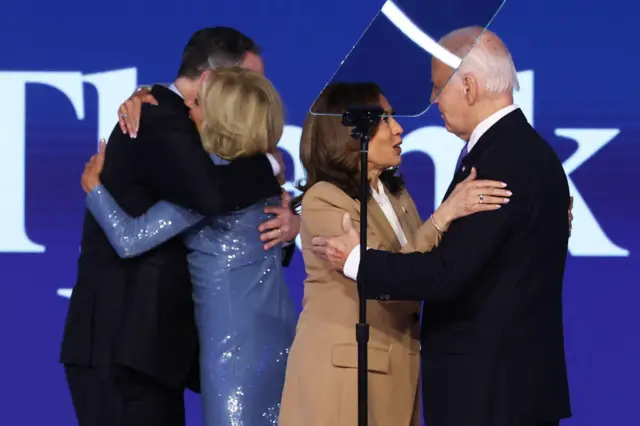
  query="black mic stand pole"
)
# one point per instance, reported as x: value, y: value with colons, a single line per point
x: 364, y: 121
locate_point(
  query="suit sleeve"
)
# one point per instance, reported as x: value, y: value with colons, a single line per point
x: 177, y: 169
x: 287, y: 254
x: 444, y: 273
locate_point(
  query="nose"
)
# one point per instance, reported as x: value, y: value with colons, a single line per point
x: 396, y: 127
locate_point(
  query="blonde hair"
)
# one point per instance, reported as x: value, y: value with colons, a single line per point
x: 243, y: 114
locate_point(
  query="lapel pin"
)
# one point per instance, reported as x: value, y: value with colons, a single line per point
x: 403, y: 209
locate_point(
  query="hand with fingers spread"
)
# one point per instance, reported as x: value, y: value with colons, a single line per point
x: 283, y: 228
x: 336, y: 249
x: 471, y: 196
x: 92, y: 169
x: 129, y: 111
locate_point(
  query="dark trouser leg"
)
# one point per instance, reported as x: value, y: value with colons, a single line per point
x: 122, y: 397
x: 92, y: 395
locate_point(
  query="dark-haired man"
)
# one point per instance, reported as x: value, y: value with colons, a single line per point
x: 130, y: 344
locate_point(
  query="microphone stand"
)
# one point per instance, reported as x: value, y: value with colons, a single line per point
x: 363, y: 120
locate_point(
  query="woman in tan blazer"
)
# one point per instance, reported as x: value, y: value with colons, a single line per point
x: 321, y: 379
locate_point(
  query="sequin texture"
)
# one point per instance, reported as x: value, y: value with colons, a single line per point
x: 245, y: 317
x: 132, y: 236
x: 243, y: 310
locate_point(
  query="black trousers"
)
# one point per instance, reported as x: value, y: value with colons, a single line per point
x: 120, y: 396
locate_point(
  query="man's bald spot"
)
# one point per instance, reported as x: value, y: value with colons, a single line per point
x: 460, y: 42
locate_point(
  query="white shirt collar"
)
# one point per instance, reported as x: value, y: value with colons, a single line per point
x: 487, y: 123
x: 380, y: 196
x: 175, y: 90
x: 377, y: 192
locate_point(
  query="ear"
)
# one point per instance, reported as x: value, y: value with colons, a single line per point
x: 201, y: 85
x: 191, y: 103
x: 470, y: 87
x: 204, y: 76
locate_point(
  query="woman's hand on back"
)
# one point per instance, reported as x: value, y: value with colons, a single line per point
x: 472, y: 196
x: 91, y: 175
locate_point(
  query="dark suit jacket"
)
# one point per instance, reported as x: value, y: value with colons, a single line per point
x: 492, y: 333
x: 139, y: 312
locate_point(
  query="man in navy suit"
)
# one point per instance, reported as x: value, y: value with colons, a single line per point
x: 492, y: 331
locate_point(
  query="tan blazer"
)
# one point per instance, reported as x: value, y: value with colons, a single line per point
x: 321, y: 381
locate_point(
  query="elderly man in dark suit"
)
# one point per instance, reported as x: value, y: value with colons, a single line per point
x: 492, y: 331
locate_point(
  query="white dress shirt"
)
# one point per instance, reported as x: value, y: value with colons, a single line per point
x: 380, y: 196
x: 272, y: 160
x: 352, y: 263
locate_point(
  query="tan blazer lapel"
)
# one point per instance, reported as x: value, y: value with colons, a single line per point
x: 381, y: 227
x: 403, y: 216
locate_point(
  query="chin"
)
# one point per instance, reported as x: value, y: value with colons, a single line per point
x: 396, y: 162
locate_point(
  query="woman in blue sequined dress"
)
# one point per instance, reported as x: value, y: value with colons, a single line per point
x: 244, y: 314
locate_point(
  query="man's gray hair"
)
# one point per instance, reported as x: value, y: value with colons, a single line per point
x: 485, y: 56
x: 221, y: 59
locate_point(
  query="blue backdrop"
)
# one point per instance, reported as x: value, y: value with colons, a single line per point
x: 66, y: 66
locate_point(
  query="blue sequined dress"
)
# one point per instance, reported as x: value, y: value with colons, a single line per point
x: 243, y: 310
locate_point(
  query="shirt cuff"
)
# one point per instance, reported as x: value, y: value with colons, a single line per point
x: 352, y: 264
x: 274, y: 164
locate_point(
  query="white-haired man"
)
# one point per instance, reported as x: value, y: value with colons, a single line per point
x: 492, y: 332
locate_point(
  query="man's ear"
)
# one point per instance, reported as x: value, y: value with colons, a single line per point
x: 203, y: 77
x: 470, y: 87
x: 202, y: 80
